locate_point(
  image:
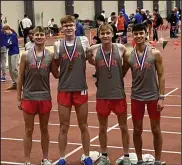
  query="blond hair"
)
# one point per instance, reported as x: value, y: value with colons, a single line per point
x: 66, y: 19
x: 105, y: 27
x: 39, y: 29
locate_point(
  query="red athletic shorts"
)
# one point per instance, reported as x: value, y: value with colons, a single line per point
x: 105, y: 106
x: 72, y: 98
x: 138, y: 109
x: 36, y: 106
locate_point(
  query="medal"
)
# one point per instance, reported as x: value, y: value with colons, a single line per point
x: 70, y: 56
x: 38, y: 64
x: 70, y: 65
x: 108, y: 64
x: 141, y: 62
x: 109, y: 75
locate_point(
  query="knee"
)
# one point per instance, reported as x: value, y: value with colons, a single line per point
x: 28, y: 132
x: 124, y: 128
x: 137, y: 131
x: 156, y: 131
x: 44, y: 130
x: 83, y: 127
x: 102, y: 129
x: 64, y: 128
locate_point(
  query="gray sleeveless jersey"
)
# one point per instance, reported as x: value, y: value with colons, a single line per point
x: 74, y: 79
x: 144, y: 83
x: 36, y: 84
x: 109, y: 88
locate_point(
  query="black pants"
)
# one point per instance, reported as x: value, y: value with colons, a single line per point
x: 155, y: 34
x: 25, y: 35
x: 173, y: 31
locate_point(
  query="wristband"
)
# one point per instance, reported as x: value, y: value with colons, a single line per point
x: 161, y: 97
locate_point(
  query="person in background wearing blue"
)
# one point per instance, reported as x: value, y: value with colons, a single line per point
x: 13, y: 55
x: 126, y: 22
x: 137, y: 17
x: 79, y: 27
x: 3, y: 42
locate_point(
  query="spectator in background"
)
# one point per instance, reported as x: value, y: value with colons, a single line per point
x: 109, y: 19
x: 113, y: 24
x: 126, y: 22
x: 156, y: 23
x: 13, y: 55
x: 30, y: 44
x: 27, y: 24
x: 149, y: 22
x: 172, y: 19
x: 53, y: 26
x: 177, y: 19
x: 137, y: 17
x: 3, y: 43
x: 103, y: 14
x: 79, y: 27
x: 100, y: 20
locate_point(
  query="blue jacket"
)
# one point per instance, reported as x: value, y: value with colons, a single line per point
x: 138, y: 18
x: 126, y: 17
x: 12, y: 44
x: 79, y: 29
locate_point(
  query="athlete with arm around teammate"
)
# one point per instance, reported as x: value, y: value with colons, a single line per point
x: 72, y: 87
x: 148, y: 85
x: 33, y: 92
x: 107, y: 58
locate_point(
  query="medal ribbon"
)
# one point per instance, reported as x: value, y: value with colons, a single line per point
x: 38, y: 64
x: 70, y: 56
x: 110, y: 57
x: 141, y: 62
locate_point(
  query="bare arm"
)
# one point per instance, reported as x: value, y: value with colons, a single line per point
x: 21, y: 75
x: 125, y: 57
x: 56, y: 54
x: 126, y: 64
x: 160, y: 71
x: 54, y: 68
x: 90, y: 54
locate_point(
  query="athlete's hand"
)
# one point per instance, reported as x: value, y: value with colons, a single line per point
x: 19, y: 103
x: 160, y: 105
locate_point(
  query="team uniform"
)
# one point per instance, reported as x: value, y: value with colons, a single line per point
x: 144, y: 89
x: 36, y: 96
x: 72, y: 87
x: 110, y: 85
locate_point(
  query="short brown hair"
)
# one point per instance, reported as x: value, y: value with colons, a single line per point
x: 105, y: 27
x: 6, y: 27
x: 66, y: 19
x: 39, y: 29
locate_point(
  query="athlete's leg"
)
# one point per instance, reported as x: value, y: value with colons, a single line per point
x: 82, y: 116
x: 137, y: 110
x: 27, y: 141
x: 122, y: 120
x: 44, y: 119
x: 154, y: 115
x: 64, y: 119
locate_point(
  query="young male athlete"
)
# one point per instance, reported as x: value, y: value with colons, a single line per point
x: 72, y: 87
x: 148, y: 84
x: 107, y: 58
x: 33, y: 82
